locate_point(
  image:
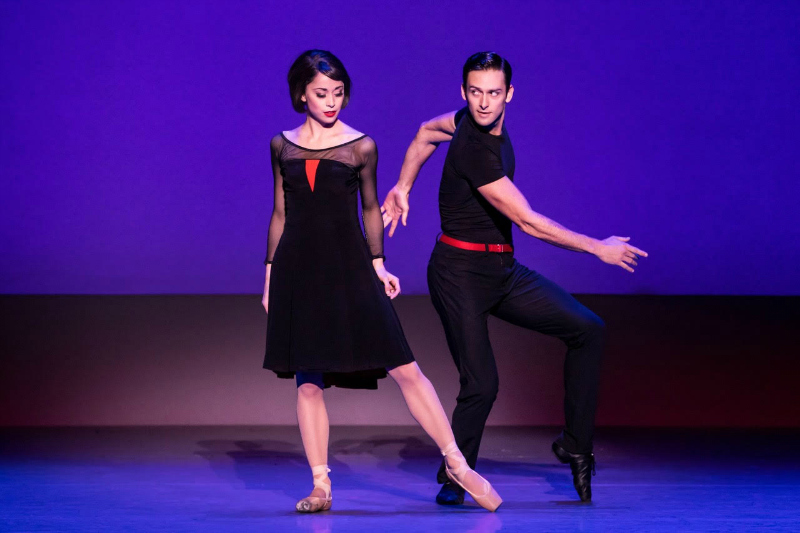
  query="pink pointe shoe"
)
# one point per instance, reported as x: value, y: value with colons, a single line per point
x: 313, y: 504
x: 469, y: 480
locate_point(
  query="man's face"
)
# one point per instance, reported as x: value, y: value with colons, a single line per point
x: 486, y: 96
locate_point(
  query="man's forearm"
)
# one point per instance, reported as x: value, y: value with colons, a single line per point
x: 550, y: 231
x: 432, y: 132
x: 418, y: 152
x: 506, y: 198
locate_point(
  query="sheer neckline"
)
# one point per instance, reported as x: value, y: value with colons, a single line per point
x: 323, y: 149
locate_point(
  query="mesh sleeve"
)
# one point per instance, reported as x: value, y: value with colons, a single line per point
x: 370, y: 208
x: 279, y: 207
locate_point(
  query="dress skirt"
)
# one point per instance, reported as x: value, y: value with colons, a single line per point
x: 328, y: 310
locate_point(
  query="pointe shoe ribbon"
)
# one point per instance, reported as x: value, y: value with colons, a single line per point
x: 312, y: 504
x: 488, y: 499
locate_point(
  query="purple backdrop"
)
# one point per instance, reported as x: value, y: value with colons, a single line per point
x: 134, y: 134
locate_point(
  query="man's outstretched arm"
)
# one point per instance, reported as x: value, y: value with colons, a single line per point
x: 429, y: 135
x: 507, y: 199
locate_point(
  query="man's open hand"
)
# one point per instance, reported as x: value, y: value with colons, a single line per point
x: 616, y: 251
x: 395, y: 208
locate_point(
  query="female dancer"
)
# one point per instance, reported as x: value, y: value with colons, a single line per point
x: 332, y: 322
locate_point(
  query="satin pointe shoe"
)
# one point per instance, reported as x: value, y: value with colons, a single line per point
x: 583, y: 468
x: 312, y: 504
x: 469, y: 480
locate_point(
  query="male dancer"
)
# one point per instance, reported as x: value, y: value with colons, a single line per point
x: 472, y: 272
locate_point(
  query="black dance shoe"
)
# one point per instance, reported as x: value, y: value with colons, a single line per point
x: 583, y: 468
x: 450, y: 494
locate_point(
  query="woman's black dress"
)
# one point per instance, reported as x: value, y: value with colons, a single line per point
x: 328, y: 311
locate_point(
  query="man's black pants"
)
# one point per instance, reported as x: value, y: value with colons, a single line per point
x: 466, y: 287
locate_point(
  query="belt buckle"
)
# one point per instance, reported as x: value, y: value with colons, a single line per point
x: 494, y: 247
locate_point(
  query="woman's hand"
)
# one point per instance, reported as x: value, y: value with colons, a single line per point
x: 265, y: 297
x: 391, y: 283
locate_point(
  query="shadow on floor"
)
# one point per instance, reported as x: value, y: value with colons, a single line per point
x: 282, y: 466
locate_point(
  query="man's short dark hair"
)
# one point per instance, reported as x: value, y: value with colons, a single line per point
x: 487, y: 61
x: 306, y: 67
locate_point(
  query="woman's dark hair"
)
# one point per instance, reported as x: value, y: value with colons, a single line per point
x: 305, y: 69
x: 486, y: 61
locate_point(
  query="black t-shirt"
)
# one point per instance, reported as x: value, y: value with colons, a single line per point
x: 475, y: 158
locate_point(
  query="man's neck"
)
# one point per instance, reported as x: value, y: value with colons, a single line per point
x: 497, y: 128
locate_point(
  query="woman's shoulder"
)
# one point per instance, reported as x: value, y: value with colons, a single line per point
x: 366, y: 141
x: 352, y: 135
x: 277, y: 142
x: 365, y: 149
x: 361, y: 139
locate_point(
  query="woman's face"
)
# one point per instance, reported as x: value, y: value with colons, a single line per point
x: 324, y: 98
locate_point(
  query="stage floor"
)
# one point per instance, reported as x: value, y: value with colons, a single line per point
x: 231, y: 479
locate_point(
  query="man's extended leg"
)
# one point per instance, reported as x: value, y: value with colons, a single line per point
x: 536, y: 303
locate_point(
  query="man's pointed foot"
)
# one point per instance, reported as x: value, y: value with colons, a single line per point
x: 450, y: 494
x: 583, y: 468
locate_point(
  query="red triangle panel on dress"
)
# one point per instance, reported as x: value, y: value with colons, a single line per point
x: 311, y: 171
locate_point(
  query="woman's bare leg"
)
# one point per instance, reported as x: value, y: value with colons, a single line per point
x: 423, y: 403
x: 425, y: 407
x: 312, y: 417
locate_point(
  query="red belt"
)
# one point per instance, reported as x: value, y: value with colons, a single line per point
x: 476, y: 247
